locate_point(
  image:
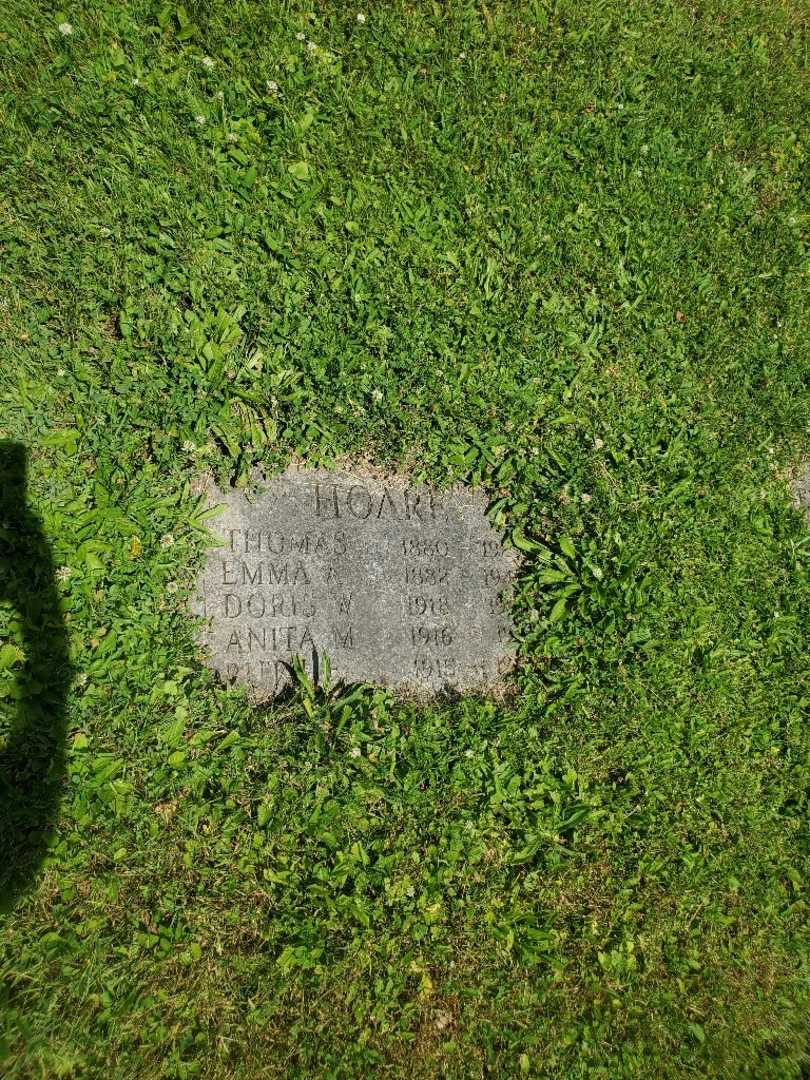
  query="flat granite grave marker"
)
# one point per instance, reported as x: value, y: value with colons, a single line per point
x: 400, y: 586
x: 800, y: 489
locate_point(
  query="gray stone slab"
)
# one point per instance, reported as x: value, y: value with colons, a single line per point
x: 800, y: 489
x: 400, y: 586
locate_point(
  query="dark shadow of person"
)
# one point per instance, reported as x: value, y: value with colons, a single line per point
x: 32, y: 741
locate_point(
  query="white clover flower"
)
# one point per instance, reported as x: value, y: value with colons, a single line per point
x: 272, y: 86
x: 311, y: 47
x: 232, y: 138
x: 200, y: 119
x: 189, y: 446
x: 462, y: 56
x: 63, y: 573
x: 598, y: 443
x: 207, y: 62
x: 166, y: 540
x: 61, y: 372
x: 172, y: 587
x: 377, y: 395
x: 65, y: 29
x: 220, y: 95
x: 361, y: 17
x: 469, y: 753
x: 301, y: 36
x: 136, y: 81
x: 82, y: 679
x: 355, y: 751
x: 586, y: 498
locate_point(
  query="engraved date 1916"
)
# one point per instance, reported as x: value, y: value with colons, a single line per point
x: 441, y: 636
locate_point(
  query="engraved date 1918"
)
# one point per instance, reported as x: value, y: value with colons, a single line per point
x: 419, y: 605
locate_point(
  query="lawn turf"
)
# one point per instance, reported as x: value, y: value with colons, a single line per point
x: 557, y: 249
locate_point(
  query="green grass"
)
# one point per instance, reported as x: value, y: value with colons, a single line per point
x: 558, y: 249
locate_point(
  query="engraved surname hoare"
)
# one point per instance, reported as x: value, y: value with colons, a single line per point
x: 362, y: 503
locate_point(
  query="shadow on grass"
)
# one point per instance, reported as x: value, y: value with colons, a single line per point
x: 32, y: 753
